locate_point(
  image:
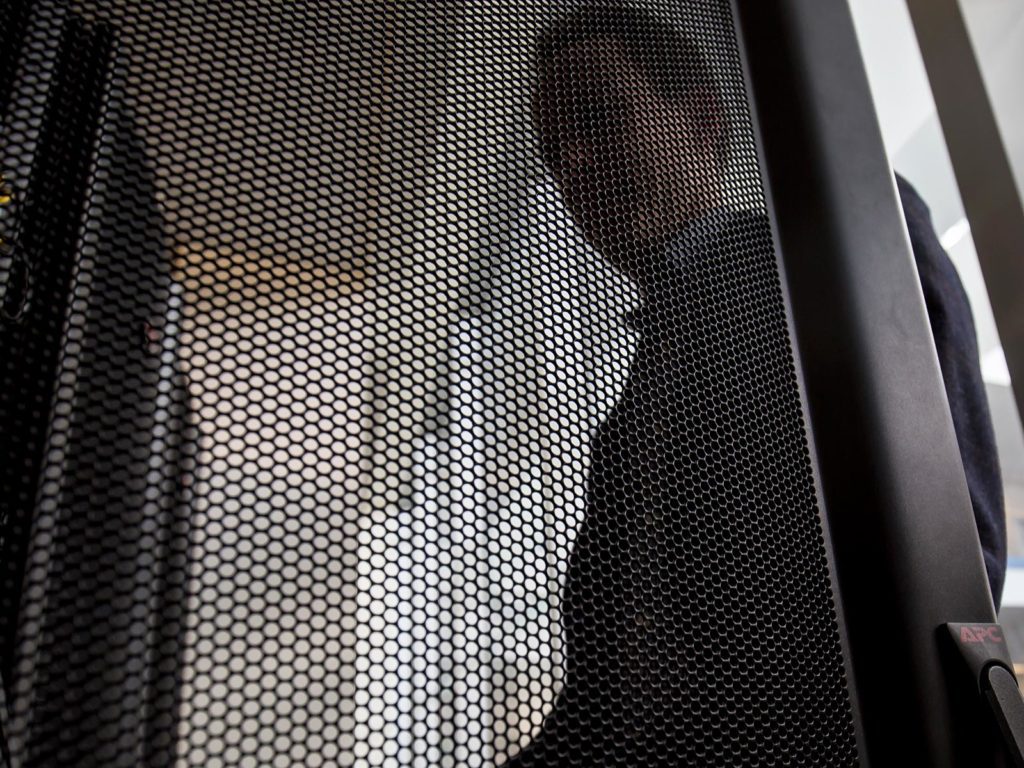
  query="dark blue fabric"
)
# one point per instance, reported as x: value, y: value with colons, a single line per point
x: 953, y: 328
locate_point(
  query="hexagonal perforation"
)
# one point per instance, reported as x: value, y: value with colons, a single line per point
x: 361, y: 453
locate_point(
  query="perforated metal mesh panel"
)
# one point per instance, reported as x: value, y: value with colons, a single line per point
x: 400, y: 383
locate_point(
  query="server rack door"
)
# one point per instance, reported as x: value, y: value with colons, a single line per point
x: 397, y: 383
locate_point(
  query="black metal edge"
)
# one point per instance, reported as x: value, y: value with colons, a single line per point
x: 766, y: 191
x: 49, y: 213
x: 904, y: 540
x: 49, y: 230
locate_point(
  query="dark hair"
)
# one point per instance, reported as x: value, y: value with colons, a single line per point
x: 667, y: 58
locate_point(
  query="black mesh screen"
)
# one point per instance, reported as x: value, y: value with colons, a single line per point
x: 400, y: 384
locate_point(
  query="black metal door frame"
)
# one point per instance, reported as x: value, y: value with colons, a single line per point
x: 903, y: 533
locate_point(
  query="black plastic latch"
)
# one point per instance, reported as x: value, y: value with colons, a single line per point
x: 983, y: 648
x: 1008, y: 707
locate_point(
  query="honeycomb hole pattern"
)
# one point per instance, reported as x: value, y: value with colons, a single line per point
x: 377, y: 437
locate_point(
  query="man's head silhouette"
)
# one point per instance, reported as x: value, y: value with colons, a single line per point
x: 630, y: 126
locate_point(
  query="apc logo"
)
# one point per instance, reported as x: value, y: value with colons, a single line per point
x: 982, y: 634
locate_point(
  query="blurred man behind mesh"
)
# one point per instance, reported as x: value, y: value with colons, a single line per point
x: 634, y: 134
